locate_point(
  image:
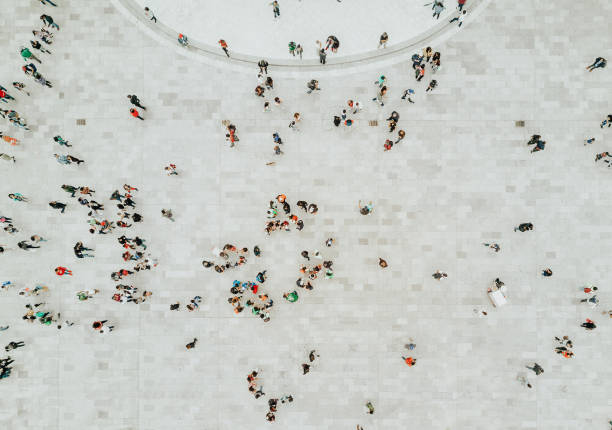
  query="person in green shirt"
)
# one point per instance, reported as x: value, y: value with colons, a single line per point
x: 292, y: 48
x: 291, y: 297
x: 27, y: 54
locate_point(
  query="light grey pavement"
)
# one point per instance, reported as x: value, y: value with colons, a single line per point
x: 462, y: 176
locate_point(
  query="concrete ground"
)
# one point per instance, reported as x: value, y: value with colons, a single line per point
x: 463, y: 176
x: 251, y: 28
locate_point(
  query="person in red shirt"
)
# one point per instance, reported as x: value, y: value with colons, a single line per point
x: 460, y: 4
x: 135, y: 114
x: 589, y: 289
x: 60, y: 271
x: 223, y: 44
x: 410, y: 361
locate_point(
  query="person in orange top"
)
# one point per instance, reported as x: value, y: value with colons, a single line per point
x: 410, y: 361
x: 223, y: 44
x: 60, y: 271
x: 281, y: 198
x: 135, y: 114
x: 9, y: 139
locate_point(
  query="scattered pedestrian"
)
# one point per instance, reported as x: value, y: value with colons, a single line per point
x: 459, y: 18
x: 183, y: 40
x: 322, y: 56
x: 599, y: 62
x: 135, y: 101
x: 223, y: 45
x: 136, y: 114
x: 384, y: 38
x: 148, y: 13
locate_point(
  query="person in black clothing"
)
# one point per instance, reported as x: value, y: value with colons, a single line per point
x: 135, y: 101
x: 25, y: 246
x: 524, y: 227
x: 58, y: 205
x: 263, y: 66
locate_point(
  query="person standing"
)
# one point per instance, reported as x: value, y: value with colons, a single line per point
x: 183, y: 40
x: 438, y: 7
x: 149, y: 14
x: 420, y: 73
x: 292, y: 48
x: 299, y: 50
x: 312, y: 86
x: 135, y: 114
x: 384, y: 38
x: 275, y: 8
x: 223, y: 45
x: 432, y: 85
x: 322, y: 56
x: 263, y: 66
x: 135, y: 101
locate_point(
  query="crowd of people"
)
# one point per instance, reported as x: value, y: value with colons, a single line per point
x: 245, y: 294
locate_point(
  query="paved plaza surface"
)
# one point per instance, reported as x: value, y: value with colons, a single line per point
x: 462, y: 176
x: 251, y: 27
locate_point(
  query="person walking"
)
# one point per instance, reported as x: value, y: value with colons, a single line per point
x: 4, y: 95
x: 61, y: 271
x: 37, y: 45
x: 526, y: 226
x: 58, y: 205
x: 223, y: 45
x: 26, y: 246
x: 322, y: 56
x: 460, y: 4
x: 608, y: 121
x: 26, y: 54
x: 14, y: 345
x: 536, y: 368
x: 135, y: 101
x: 18, y: 197
x: 167, y: 213
x: 135, y: 114
x: 599, y: 62
x: 7, y: 157
x: 459, y: 18
x: 292, y: 48
x: 149, y: 14
x: 408, y: 95
x: 192, y: 344
x: 101, y: 328
x: 45, y: 2
x: 438, y: 7
x: 59, y: 139
x: 384, y: 38
x: 431, y: 85
x: 380, y: 96
x: 10, y: 140
x: 48, y: 21
x: 299, y: 50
